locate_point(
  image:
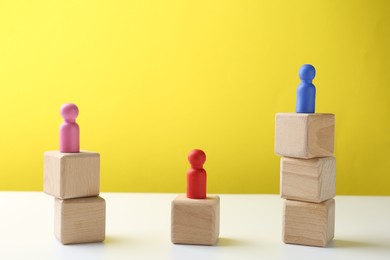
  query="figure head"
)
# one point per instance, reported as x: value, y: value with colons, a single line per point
x: 307, y: 72
x: 69, y: 112
x: 197, y: 158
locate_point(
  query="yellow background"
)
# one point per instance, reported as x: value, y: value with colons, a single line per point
x: 154, y: 79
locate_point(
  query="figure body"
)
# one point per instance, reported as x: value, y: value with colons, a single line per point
x: 306, y: 92
x: 196, y: 176
x: 69, y: 129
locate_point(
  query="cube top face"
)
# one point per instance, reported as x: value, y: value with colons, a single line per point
x: 195, y: 221
x: 308, y: 223
x: 80, y: 220
x: 312, y: 180
x: 182, y: 199
x: 58, y: 154
x: 71, y: 175
x: 302, y: 135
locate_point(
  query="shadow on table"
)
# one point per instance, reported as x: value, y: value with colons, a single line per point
x: 115, y: 240
x: 224, y: 241
x: 338, y: 243
x: 96, y: 251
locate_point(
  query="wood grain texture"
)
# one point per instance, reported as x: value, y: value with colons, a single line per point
x: 307, y: 223
x: 71, y: 175
x: 312, y: 180
x: 195, y: 221
x: 80, y: 220
x: 304, y: 135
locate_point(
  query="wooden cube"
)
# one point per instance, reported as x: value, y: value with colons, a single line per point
x: 71, y: 175
x: 312, y: 180
x: 195, y: 221
x: 307, y: 223
x: 304, y: 135
x: 81, y: 220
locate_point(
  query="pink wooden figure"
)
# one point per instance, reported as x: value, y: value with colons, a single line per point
x: 69, y: 129
x: 196, y: 176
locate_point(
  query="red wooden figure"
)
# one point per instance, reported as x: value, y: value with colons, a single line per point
x: 196, y: 176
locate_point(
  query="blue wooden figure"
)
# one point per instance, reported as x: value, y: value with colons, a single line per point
x: 306, y: 92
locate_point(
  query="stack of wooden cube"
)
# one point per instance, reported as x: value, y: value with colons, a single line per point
x: 74, y: 180
x: 195, y: 216
x: 307, y: 176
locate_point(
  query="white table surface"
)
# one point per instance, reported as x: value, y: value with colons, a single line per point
x: 138, y: 227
